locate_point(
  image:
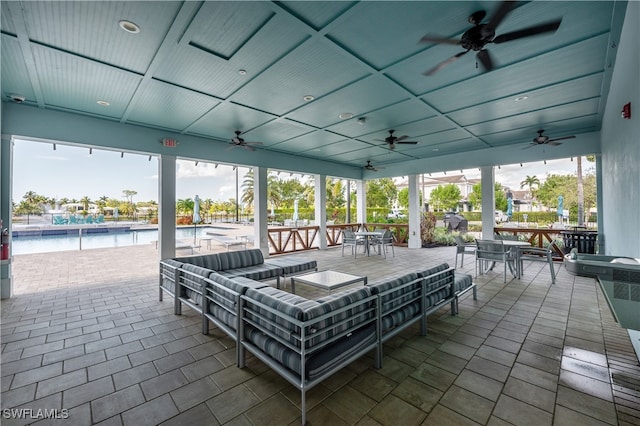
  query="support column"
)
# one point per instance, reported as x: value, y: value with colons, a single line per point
x: 321, y: 209
x: 6, y: 173
x: 361, y: 201
x: 260, y: 220
x: 415, y: 240
x: 600, y: 205
x: 487, y: 177
x: 167, y: 206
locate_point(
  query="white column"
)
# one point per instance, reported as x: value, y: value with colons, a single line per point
x: 361, y: 201
x: 167, y: 206
x: 321, y: 209
x: 415, y: 213
x: 6, y: 173
x: 260, y: 220
x: 487, y: 176
x: 600, y: 205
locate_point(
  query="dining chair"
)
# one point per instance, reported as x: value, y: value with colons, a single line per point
x: 384, y: 241
x: 463, y: 247
x: 492, y: 251
x: 349, y: 238
x: 535, y: 254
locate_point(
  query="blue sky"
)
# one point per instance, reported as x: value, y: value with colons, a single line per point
x: 72, y: 173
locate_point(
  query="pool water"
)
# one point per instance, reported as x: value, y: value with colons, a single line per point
x: 50, y: 243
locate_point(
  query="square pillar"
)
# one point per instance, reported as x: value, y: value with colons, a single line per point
x: 167, y: 206
x: 321, y: 209
x: 260, y: 219
x: 487, y: 177
x: 415, y: 240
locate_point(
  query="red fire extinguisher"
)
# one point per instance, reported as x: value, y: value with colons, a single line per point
x: 5, y: 244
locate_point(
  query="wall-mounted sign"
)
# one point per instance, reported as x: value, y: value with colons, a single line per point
x: 170, y: 143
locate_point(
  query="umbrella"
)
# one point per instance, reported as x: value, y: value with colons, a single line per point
x: 115, y: 213
x: 196, y: 216
x: 295, y: 210
x: 560, y: 207
x: 509, y: 207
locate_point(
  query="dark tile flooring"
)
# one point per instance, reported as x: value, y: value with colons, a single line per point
x: 86, y: 335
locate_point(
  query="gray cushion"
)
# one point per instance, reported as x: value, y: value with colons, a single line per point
x: 462, y: 282
x: 255, y: 272
x: 240, y: 259
x: 292, y: 265
x: 209, y: 261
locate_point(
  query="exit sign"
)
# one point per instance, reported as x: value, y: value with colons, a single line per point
x: 171, y: 143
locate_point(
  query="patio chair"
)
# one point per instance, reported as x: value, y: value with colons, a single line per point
x: 535, y: 254
x: 349, y: 238
x: 492, y: 251
x: 384, y: 241
x: 59, y: 220
x: 463, y: 247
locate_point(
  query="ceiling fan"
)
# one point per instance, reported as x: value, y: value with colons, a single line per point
x: 370, y: 167
x: 545, y: 140
x: 238, y: 141
x: 477, y: 37
x: 393, y: 140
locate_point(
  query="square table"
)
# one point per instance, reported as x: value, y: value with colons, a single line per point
x: 327, y: 280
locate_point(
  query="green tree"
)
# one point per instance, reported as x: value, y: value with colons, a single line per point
x: 129, y: 194
x: 85, y: 201
x: 475, y: 197
x: 185, y: 206
x: 381, y: 192
x: 445, y: 197
x: 403, y: 198
x: 529, y: 182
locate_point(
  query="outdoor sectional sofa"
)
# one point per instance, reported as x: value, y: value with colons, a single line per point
x: 189, y: 272
x: 305, y: 341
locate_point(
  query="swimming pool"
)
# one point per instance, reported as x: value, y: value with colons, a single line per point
x: 36, y: 242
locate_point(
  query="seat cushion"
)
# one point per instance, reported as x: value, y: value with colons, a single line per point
x: 293, y: 265
x: 255, y: 272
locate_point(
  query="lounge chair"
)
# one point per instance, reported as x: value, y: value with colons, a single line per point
x: 59, y: 220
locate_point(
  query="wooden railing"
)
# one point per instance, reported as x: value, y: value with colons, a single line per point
x: 537, y: 236
x: 302, y: 238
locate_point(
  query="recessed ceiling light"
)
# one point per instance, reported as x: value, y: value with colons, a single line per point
x: 435, y: 149
x: 317, y: 149
x: 129, y: 26
x: 103, y: 103
x: 521, y: 98
x: 346, y: 115
x: 308, y: 98
x: 242, y: 72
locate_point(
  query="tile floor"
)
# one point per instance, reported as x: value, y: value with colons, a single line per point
x: 86, y: 335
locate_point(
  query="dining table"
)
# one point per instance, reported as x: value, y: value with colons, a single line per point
x: 368, y: 237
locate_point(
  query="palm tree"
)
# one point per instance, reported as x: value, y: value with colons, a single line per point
x: 85, y: 204
x: 185, y: 206
x: 530, y: 181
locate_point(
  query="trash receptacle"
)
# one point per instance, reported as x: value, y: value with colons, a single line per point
x: 583, y: 241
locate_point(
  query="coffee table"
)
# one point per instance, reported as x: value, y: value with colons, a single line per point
x: 327, y: 280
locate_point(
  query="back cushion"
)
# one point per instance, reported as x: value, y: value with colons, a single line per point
x: 209, y: 261
x: 435, y: 281
x: 394, y: 299
x: 281, y: 301
x: 333, y: 324
x: 240, y: 259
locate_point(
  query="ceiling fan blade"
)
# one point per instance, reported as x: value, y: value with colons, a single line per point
x: 247, y: 147
x: 561, y: 139
x: 499, y: 14
x: 531, y: 145
x: 252, y: 143
x: 444, y: 63
x: 408, y: 142
x: 549, y: 27
x: 554, y: 143
x: 435, y: 39
x: 401, y: 138
x: 485, y: 59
